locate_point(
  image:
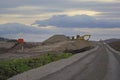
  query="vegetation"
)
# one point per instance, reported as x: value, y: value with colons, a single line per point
x: 12, y: 67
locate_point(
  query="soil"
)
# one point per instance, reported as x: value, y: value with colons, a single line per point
x: 115, y: 45
x: 55, y: 44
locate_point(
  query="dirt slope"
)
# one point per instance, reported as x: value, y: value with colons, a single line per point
x: 115, y: 45
x: 56, y: 39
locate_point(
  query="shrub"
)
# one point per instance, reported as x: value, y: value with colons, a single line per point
x: 12, y: 67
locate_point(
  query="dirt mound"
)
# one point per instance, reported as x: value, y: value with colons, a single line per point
x: 14, y: 46
x: 25, y: 45
x: 56, y: 39
x: 73, y: 45
x: 6, y: 45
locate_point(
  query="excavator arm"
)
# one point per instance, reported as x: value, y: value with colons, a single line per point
x: 83, y: 37
x: 88, y: 35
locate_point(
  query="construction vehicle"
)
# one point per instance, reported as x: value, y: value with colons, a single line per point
x: 78, y: 37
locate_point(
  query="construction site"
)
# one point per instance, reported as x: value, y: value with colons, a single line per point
x: 60, y: 57
x: 55, y: 44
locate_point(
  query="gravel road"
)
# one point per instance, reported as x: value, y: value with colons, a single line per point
x: 101, y: 63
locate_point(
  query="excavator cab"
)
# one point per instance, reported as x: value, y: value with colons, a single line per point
x: 84, y: 37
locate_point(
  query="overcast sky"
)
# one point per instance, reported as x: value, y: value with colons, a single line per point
x: 36, y: 20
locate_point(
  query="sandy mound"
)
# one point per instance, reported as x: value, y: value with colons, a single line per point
x: 55, y: 39
x: 73, y: 45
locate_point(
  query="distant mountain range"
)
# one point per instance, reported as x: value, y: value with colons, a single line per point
x: 3, y: 39
x: 112, y: 40
x: 6, y: 39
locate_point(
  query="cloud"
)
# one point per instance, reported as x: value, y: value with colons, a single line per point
x: 16, y: 28
x: 32, y: 33
x: 31, y: 10
x: 58, y: 17
x: 29, y: 33
x: 37, y: 34
x: 6, y: 3
x: 81, y: 21
x: 48, y: 6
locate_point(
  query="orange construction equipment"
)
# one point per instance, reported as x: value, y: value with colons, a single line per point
x: 20, y: 40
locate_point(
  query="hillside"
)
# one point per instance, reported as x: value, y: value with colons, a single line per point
x: 3, y: 39
x: 114, y: 43
x: 111, y: 40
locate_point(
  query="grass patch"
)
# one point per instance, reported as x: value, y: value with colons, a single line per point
x: 15, y: 66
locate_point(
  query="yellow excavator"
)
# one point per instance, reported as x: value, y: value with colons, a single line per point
x: 78, y: 37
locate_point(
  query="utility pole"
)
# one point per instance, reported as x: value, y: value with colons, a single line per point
x: 21, y: 41
x: 22, y: 47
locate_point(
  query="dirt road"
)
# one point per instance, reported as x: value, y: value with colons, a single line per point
x: 100, y: 64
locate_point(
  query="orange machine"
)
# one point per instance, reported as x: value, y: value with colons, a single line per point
x: 20, y: 40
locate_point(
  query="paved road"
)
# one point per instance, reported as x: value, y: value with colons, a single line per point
x: 102, y: 64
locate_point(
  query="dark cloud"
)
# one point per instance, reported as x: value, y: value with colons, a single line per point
x: 81, y: 21
x: 109, y: 15
x: 10, y: 4
x: 56, y: 3
x: 108, y: 10
x: 16, y: 28
x: 30, y: 33
x: 58, y: 6
x: 28, y: 11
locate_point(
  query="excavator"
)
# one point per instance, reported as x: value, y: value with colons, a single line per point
x: 78, y: 37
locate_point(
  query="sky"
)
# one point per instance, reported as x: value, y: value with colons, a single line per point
x: 36, y: 20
